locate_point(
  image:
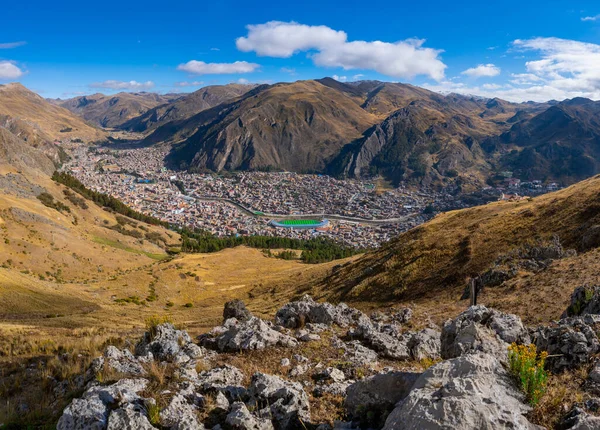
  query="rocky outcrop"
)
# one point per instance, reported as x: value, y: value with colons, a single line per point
x: 372, y: 399
x: 240, y: 418
x: 584, y: 300
x: 570, y: 343
x: 306, y: 310
x: 166, y: 343
x: 386, y: 340
x: 252, y: 334
x: 236, y: 309
x: 284, y: 401
x: 480, y: 329
x: 92, y: 410
x: 473, y: 391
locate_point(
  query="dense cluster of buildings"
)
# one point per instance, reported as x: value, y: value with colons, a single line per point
x: 359, y: 213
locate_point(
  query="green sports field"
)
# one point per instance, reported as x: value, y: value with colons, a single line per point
x: 299, y: 222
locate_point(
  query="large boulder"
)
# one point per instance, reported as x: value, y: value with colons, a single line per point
x: 579, y: 419
x: 255, y: 333
x: 584, y: 300
x: 297, y: 314
x: 166, y: 343
x: 236, y: 309
x: 91, y: 411
x: 386, y: 340
x: 121, y: 361
x: 473, y: 391
x: 370, y: 400
x: 479, y: 329
x: 129, y: 418
x: 570, y: 344
x: 223, y: 379
x: 425, y: 344
x: 240, y: 418
x: 284, y: 401
x: 180, y: 415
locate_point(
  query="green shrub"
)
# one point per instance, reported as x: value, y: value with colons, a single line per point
x: 528, y: 367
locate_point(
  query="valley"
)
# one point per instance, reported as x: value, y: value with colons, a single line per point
x: 103, y: 236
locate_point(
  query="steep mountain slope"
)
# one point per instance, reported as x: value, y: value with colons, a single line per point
x: 424, y: 141
x: 562, y: 142
x: 437, y: 258
x: 113, y: 110
x: 186, y: 106
x: 15, y: 152
x: 43, y: 118
x: 298, y: 126
x: 362, y: 128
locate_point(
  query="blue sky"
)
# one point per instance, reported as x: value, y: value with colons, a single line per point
x: 518, y: 50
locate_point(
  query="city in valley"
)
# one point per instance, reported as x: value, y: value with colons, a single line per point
x: 357, y: 213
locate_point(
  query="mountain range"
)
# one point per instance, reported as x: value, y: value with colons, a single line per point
x: 402, y: 132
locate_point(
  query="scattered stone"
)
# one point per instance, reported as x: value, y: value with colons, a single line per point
x: 336, y: 389
x: 425, y: 344
x: 403, y: 316
x: 385, y: 340
x: 297, y: 314
x: 356, y: 353
x: 299, y: 370
x: 92, y: 409
x: 479, y: 329
x: 166, y: 343
x: 225, y: 379
x: 180, y: 415
x: 122, y: 361
x: 284, y: 401
x: 584, y: 300
x: 221, y: 402
x: 240, y: 418
x: 285, y: 362
x: 378, y: 394
x: 329, y: 374
x: 252, y: 334
x: 570, y: 344
x: 236, y: 309
x: 306, y: 336
x: 128, y: 419
x: 579, y: 419
x: 472, y: 391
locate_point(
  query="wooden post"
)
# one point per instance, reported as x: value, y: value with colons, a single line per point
x: 473, y: 286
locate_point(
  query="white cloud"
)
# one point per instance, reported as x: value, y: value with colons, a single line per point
x: 340, y: 78
x: 525, y: 79
x: 189, y: 84
x: 288, y: 70
x: 491, y: 86
x: 122, y: 85
x: 358, y: 77
x: 243, y: 81
x: 591, y: 18
x: 402, y: 59
x: 284, y: 39
x: 482, y: 70
x: 202, y: 68
x: 11, y: 45
x: 214, y: 49
x: 9, y: 70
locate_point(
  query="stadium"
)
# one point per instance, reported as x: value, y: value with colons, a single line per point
x: 300, y: 223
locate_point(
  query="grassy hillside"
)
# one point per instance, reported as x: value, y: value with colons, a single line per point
x: 432, y: 263
x: 38, y: 116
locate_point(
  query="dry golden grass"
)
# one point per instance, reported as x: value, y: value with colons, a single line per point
x: 19, y: 102
x: 442, y: 254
